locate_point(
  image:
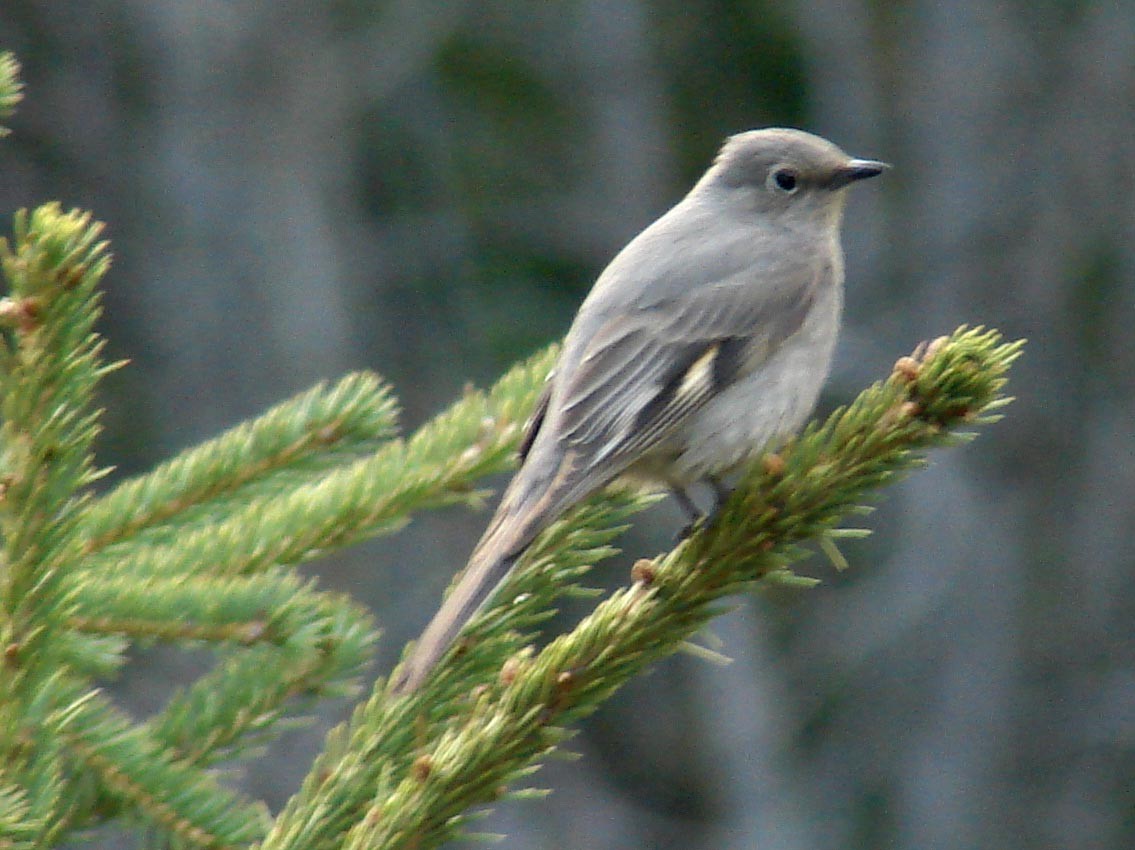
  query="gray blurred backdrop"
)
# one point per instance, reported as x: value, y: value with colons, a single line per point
x: 297, y: 189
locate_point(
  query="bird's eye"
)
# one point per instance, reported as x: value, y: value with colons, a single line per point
x: 785, y: 180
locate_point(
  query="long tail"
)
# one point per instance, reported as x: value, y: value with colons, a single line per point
x: 530, y: 504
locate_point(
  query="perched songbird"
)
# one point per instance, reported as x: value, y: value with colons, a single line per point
x: 706, y: 340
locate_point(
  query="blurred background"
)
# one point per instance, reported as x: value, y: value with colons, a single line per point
x: 297, y: 189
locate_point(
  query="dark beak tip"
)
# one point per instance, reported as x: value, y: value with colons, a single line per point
x: 861, y: 169
x: 854, y: 170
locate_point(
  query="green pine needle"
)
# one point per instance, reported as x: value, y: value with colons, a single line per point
x: 11, y: 89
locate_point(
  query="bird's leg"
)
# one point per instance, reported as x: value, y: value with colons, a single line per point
x: 689, y: 508
x: 721, y: 494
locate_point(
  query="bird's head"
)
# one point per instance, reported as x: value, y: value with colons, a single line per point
x: 787, y: 173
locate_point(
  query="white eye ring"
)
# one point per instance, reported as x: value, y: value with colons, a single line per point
x: 783, y: 179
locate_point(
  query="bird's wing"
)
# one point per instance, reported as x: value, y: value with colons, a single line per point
x: 536, y: 420
x: 644, y: 372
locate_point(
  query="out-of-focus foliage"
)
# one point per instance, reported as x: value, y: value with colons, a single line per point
x: 300, y: 189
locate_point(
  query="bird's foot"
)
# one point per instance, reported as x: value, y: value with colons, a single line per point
x: 698, y: 517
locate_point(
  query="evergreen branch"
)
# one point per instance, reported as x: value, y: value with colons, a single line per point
x: 173, y: 796
x: 11, y: 89
x: 235, y: 706
x: 91, y: 655
x: 552, y: 567
x: 328, y: 643
x: 18, y: 830
x: 306, y: 643
x: 381, y: 740
x: 148, y: 629
x: 35, y: 760
x: 49, y: 356
x: 268, y: 608
x: 468, y: 741
x: 294, y: 442
x: 438, y: 466
x: 49, y: 367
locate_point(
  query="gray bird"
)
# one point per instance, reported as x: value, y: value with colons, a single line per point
x: 706, y: 340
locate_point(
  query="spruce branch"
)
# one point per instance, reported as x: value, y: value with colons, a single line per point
x: 70, y: 606
x: 174, y: 796
x: 303, y: 643
x: 17, y: 830
x: 293, y: 443
x: 438, y: 466
x: 97, y: 656
x: 67, y: 754
x: 382, y: 740
x: 268, y: 608
x: 49, y: 367
x: 478, y: 725
x: 313, y: 645
x: 11, y: 89
x: 35, y: 760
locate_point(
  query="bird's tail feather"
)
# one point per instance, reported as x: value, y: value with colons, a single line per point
x: 527, y: 508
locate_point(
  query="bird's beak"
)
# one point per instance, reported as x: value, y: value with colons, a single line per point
x: 856, y: 169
